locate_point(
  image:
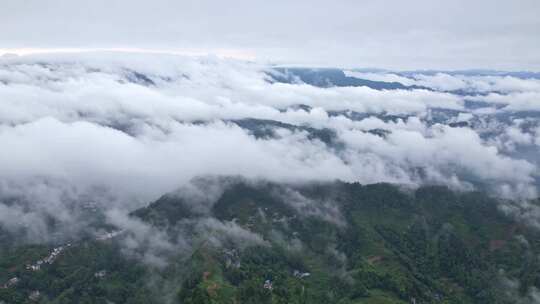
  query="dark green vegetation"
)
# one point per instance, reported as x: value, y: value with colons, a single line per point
x: 261, y: 128
x: 74, y: 276
x: 322, y: 243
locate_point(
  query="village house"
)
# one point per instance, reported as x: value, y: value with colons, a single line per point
x: 267, y: 285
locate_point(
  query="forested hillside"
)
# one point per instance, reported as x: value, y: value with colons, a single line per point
x: 316, y: 243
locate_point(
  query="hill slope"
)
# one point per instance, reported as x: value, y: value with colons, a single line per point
x: 261, y: 242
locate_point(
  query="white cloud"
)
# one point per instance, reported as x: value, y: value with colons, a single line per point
x: 383, y: 76
x: 520, y: 101
x: 80, y: 123
x: 451, y: 82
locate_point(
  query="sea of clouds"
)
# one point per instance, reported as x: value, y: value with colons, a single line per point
x: 119, y: 130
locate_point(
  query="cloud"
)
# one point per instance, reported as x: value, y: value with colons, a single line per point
x: 120, y: 131
x: 520, y: 101
x: 512, y: 289
x: 382, y: 76
x: 455, y: 81
x: 104, y: 89
x: 155, y: 163
x: 412, y: 35
x: 440, y: 153
x: 145, y: 242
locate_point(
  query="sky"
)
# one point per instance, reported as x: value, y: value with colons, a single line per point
x: 399, y: 35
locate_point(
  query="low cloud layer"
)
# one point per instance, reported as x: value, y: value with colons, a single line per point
x: 136, y: 127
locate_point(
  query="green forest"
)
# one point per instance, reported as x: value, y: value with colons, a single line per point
x: 317, y: 243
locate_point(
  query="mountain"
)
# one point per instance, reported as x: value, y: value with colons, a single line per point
x: 266, y: 242
x: 328, y: 77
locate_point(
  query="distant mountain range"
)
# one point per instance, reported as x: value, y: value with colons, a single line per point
x: 331, y: 77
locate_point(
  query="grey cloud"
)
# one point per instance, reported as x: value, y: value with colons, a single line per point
x: 389, y: 34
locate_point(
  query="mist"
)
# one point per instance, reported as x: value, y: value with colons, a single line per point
x: 139, y: 126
